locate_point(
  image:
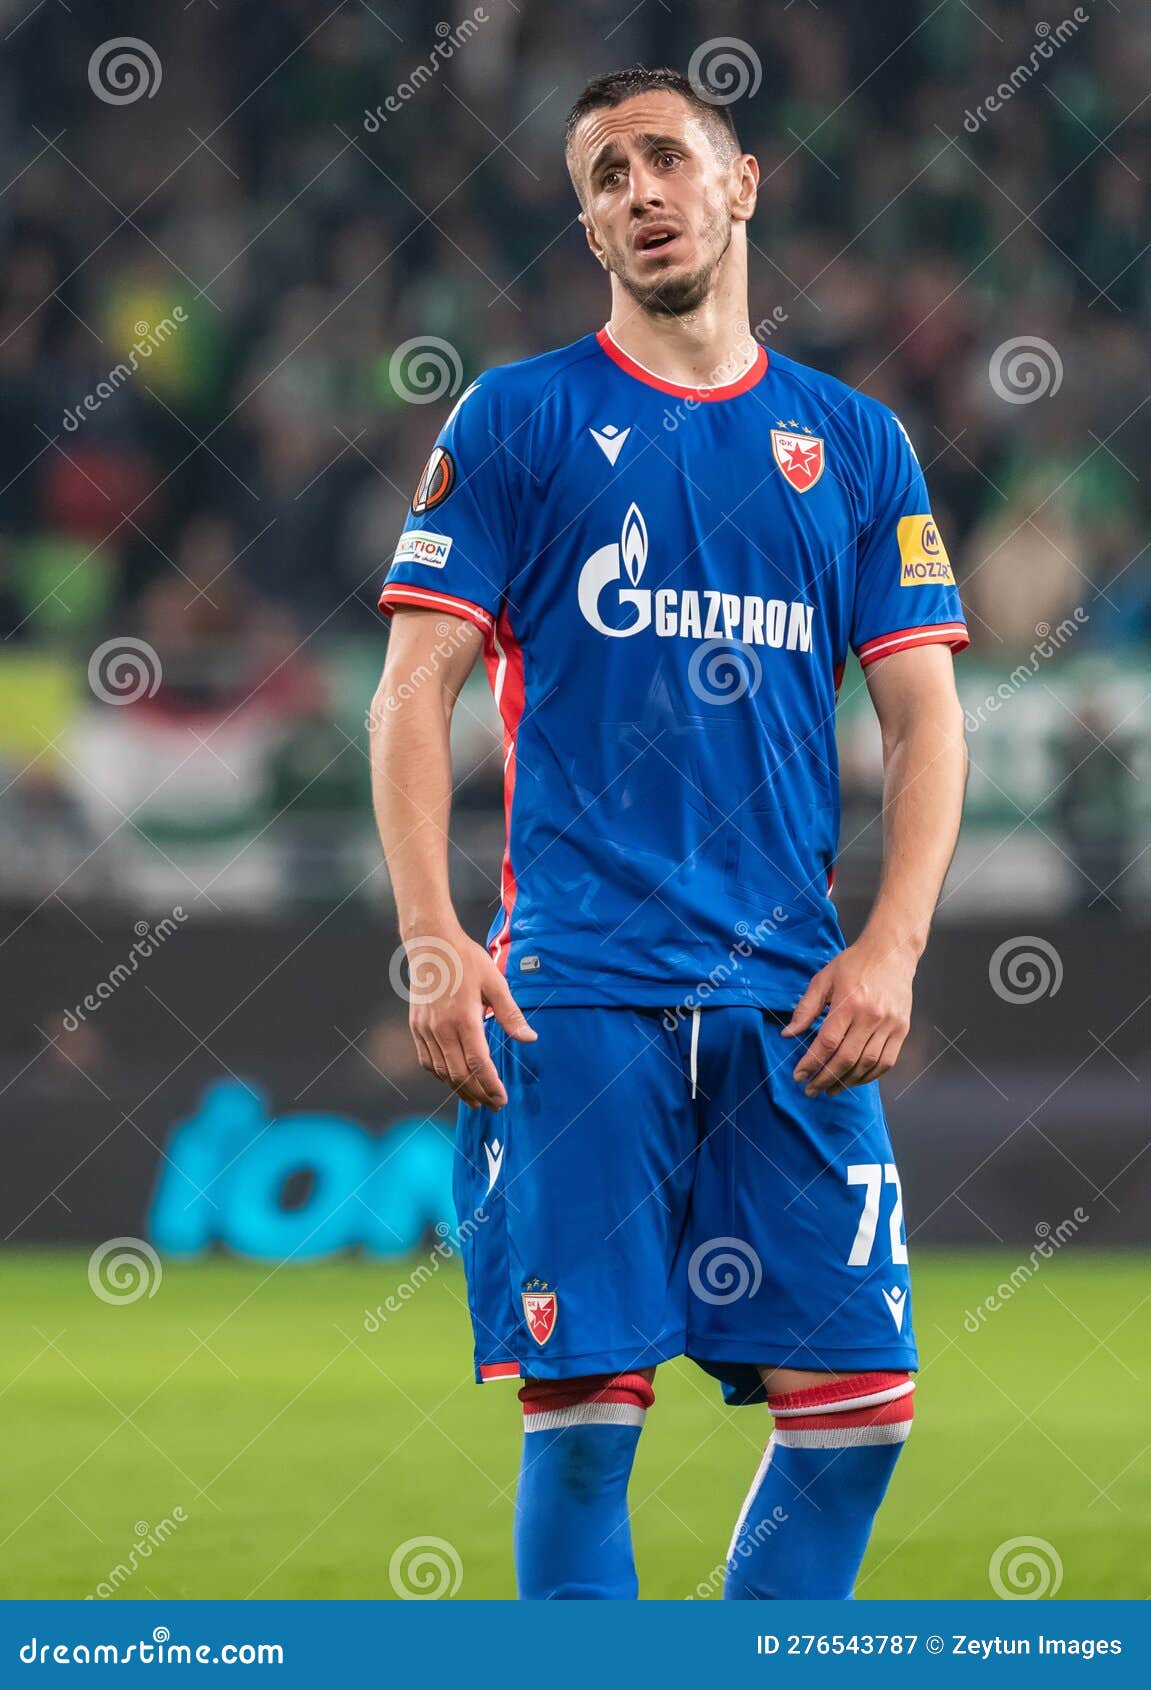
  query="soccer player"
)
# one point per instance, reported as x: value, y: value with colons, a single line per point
x: 665, y: 541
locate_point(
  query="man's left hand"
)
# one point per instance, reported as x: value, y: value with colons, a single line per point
x: 867, y: 992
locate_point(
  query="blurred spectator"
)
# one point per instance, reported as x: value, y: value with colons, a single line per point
x: 1095, y: 809
x: 232, y: 499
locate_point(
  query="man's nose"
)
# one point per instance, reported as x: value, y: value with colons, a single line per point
x: 644, y: 188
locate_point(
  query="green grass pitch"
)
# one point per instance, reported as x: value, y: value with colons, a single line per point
x: 302, y: 1450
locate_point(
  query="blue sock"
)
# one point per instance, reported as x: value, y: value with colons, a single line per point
x: 572, y: 1532
x: 805, y: 1525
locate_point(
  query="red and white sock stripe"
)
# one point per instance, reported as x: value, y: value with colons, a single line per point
x: 760, y: 1475
x: 868, y: 1408
x: 621, y: 1401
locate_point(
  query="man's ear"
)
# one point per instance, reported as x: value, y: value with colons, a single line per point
x: 744, y: 187
x: 593, y: 239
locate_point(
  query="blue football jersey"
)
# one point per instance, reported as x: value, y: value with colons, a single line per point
x: 668, y: 581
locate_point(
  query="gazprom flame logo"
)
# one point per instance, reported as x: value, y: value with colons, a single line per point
x: 628, y: 554
x: 633, y: 544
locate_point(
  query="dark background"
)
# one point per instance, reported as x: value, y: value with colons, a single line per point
x: 231, y: 508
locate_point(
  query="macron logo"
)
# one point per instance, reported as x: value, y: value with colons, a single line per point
x: 896, y: 1300
x: 609, y: 440
x: 495, y: 1155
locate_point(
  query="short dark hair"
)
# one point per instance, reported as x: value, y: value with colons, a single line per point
x: 620, y: 85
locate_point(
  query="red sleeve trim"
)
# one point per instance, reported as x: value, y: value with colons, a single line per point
x: 424, y: 599
x: 953, y: 634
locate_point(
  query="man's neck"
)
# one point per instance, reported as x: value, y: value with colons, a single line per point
x: 710, y: 347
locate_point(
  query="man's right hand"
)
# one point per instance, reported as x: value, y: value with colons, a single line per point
x: 452, y: 980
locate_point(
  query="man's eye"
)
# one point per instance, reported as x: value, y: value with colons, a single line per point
x: 609, y: 179
x: 669, y: 158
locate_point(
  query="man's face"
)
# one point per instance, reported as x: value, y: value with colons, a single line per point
x: 657, y: 191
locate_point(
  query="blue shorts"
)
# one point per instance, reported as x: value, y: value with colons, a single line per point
x: 658, y: 1185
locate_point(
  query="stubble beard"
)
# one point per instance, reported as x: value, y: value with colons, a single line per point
x: 675, y: 296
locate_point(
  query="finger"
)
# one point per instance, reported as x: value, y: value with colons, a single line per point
x: 841, y: 1063
x: 855, y: 1079
x: 808, y: 1006
x: 484, y: 1077
x: 498, y: 994
x: 889, y: 1055
x: 440, y: 1066
x: 865, y: 1069
x: 823, y: 1046
x: 423, y: 1051
x: 461, y: 1071
x: 851, y: 1082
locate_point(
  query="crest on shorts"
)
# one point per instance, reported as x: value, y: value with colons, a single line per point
x: 540, y: 1309
x: 799, y: 456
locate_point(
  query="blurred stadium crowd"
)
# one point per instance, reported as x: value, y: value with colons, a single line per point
x: 255, y: 250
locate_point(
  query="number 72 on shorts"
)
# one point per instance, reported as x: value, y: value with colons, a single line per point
x: 873, y: 1176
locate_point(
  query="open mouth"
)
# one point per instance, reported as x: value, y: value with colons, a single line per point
x: 655, y: 239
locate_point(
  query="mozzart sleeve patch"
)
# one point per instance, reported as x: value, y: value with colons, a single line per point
x: 922, y: 555
x: 905, y: 593
x: 455, y: 551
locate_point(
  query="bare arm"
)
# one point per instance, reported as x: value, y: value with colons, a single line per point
x: 452, y: 977
x: 868, y: 986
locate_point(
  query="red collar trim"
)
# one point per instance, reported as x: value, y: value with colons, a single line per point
x: 703, y: 395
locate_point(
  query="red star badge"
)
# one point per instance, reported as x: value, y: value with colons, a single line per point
x: 799, y: 456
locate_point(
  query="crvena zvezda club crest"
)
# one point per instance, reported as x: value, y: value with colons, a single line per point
x: 799, y: 456
x: 540, y: 1307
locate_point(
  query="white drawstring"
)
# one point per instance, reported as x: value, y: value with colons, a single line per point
x: 694, y: 1048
